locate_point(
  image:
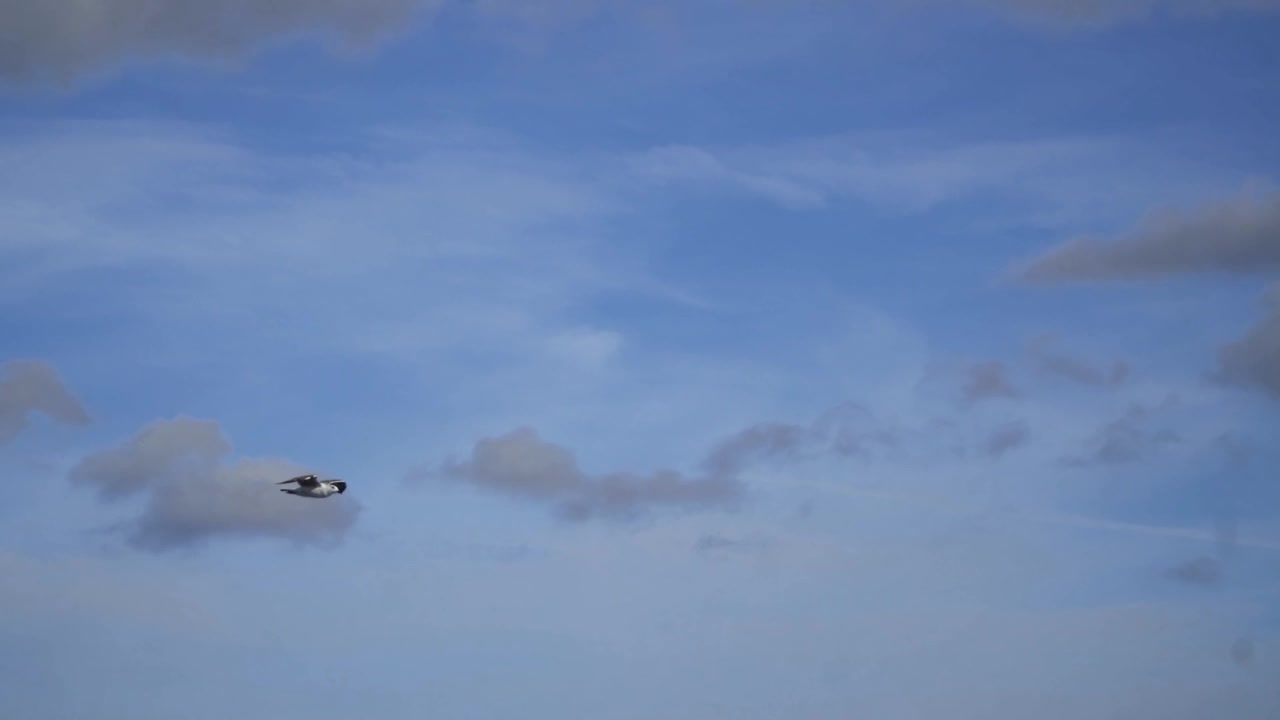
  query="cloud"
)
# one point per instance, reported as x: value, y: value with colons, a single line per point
x: 1129, y: 438
x: 1203, y: 570
x: 1254, y: 360
x: 66, y: 39
x: 28, y: 386
x: 193, y: 495
x: 1007, y: 438
x: 1236, y: 235
x: 522, y: 464
x: 1102, y: 13
x: 1055, y: 362
x: 988, y: 380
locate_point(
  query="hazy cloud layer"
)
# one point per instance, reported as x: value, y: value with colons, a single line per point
x: 193, y: 494
x: 65, y: 39
x: 28, y: 386
x: 1047, y: 358
x: 1236, y: 235
x: 1254, y: 359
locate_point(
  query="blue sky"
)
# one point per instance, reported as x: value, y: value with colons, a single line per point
x: 684, y: 360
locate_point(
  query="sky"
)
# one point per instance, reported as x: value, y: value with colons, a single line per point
x: 708, y: 359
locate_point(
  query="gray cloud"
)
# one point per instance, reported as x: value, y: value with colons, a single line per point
x: 522, y: 464
x: 1254, y: 360
x: 1203, y: 570
x: 1049, y: 359
x: 66, y: 39
x: 1243, y: 651
x: 1129, y: 438
x: 1236, y: 235
x: 1099, y: 13
x: 1007, y: 438
x: 988, y: 380
x: 194, y: 495
x: 28, y: 386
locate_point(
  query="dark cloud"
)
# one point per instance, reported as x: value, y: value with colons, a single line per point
x: 1129, y: 438
x: 988, y: 380
x: 66, y: 39
x: 1254, y: 360
x: 1055, y: 362
x: 1236, y: 235
x: 193, y: 494
x: 1007, y: 438
x: 28, y: 386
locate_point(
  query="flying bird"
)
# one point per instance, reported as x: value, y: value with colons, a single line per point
x: 313, y: 487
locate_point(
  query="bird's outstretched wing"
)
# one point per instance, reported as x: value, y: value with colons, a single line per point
x: 302, y: 480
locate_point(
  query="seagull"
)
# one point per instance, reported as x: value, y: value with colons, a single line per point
x: 313, y: 487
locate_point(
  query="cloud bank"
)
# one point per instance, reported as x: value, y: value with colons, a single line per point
x: 28, y: 386
x: 193, y: 495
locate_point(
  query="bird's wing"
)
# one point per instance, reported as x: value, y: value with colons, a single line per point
x: 302, y: 480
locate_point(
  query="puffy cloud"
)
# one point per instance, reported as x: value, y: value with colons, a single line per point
x: 65, y: 39
x: 1236, y: 235
x: 523, y: 464
x: 193, y: 495
x: 28, y: 386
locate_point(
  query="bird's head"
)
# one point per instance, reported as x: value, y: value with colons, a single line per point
x: 339, y: 485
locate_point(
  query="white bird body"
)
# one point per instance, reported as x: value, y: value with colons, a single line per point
x: 313, y: 487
